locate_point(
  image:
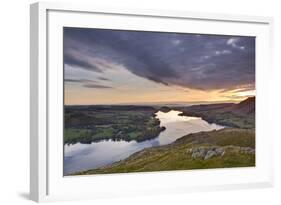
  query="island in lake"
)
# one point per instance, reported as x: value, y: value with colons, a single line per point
x: 143, y: 101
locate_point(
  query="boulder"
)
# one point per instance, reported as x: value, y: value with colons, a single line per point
x: 247, y: 150
x: 199, y: 152
x: 219, y: 151
x: 210, y: 154
x: 189, y: 151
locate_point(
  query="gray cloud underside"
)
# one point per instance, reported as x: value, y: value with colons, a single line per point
x: 102, y: 78
x: 78, y: 80
x: 96, y: 86
x: 194, y: 61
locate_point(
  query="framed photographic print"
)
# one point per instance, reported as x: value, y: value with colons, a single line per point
x: 128, y: 101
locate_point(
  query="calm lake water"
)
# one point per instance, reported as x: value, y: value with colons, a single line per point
x: 79, y: 157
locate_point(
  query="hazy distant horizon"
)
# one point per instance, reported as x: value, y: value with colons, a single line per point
x: 162, y: 103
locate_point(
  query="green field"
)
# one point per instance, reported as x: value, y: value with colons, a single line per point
x: 95, y: 123
x: 233, y: 146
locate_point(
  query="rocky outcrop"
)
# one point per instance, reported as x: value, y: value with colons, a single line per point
x: 247, y: 150
x: 214, y: 152
x: 206, y: 153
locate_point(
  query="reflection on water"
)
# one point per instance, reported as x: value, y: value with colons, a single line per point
x: 80, y: 157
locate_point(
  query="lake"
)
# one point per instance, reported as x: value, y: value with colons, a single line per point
x: 80, y: 157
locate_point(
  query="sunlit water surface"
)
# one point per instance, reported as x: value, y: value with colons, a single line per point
x: 79, y: 157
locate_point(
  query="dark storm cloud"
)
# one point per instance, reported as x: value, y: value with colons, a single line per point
x: 78, y: 80
x: 96, y: 86
x: 194, y: 61
x: 76, y: 60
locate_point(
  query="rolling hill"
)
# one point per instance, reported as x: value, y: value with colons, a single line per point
x: 241, y: 115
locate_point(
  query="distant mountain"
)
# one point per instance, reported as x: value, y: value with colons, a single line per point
x: 241, y: 115
x: 245, y: 107
x: 165, y: 109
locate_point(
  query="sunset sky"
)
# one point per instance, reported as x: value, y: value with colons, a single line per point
x: 133, y: 67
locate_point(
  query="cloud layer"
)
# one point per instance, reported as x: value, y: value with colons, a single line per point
x: 205, y: 62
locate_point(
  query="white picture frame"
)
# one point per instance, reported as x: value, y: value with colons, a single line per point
x: 46, y: 179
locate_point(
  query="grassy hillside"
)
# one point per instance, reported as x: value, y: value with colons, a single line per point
x: 216, y: 149
x: 241, y: 115
x: 233, y: 146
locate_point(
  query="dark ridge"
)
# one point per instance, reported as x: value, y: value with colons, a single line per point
x: 245, y: 107
x: 106, y: 107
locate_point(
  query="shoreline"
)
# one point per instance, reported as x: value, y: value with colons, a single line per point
x: 188, y: 142
x: 152, y: 147
x: 235, y: 117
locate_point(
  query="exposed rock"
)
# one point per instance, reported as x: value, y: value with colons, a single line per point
x: 219, y: 150
x: 205, y: 152
x: 189, y: 151
x: 198, y: 152
x: 247, y: 150
x: 210, y: 154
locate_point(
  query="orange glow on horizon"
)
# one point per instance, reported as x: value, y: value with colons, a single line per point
x: 168, y: 95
